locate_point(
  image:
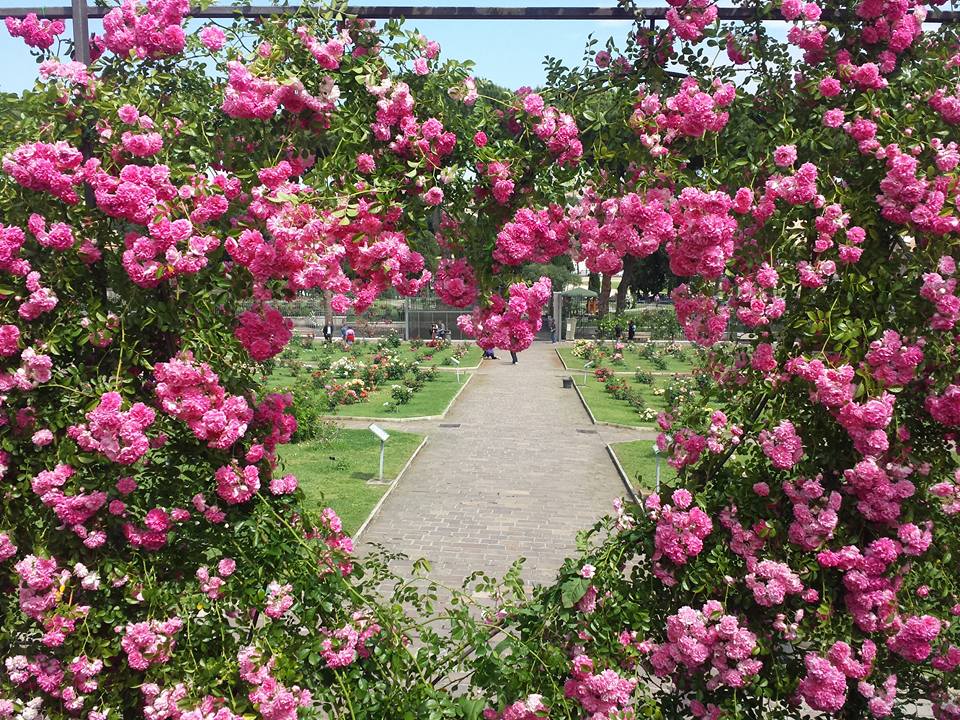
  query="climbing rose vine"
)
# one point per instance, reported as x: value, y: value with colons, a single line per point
x: 158, y: 562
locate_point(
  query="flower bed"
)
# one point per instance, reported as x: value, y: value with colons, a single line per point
x: 658, y: 358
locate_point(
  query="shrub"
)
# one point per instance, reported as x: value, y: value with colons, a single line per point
x: 401, y: 394
x: 643, y: 377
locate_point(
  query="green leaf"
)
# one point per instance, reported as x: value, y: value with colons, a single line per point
x: 573, y: 590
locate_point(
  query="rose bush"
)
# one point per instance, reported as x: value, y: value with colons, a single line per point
x: 157, y: 561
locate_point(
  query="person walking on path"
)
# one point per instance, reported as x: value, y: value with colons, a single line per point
x: 631, y: 331
x: 350, y: 336
x: 513, y: 357
x: 343, y: 333
x: 553, y: 329
x: 327, y: 332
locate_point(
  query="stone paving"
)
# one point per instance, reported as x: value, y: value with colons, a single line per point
x: 523, y: 471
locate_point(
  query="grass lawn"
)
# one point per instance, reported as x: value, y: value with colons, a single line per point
x: 631, y: 361
x: 432, y: 399
x: 640, y: 463
x: 606, y: 408
x: 335, y: 474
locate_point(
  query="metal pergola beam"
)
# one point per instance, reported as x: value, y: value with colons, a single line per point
x: 462, y: 12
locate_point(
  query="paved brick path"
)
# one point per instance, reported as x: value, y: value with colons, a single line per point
x: 517, y: 478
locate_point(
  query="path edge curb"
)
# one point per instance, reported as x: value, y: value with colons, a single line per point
x: 594, y: 421
x: 622, y: 473
x: 583, y: 400
x: 417, y: 418
x: 376, y: 508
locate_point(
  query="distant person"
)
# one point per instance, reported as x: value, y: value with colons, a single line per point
x: 513, y: 358
x: 442, y: 332
x: 656, y: 299
x: 631, y: 331
x: 343, y: 333
x: 553, y: 329
x: 350, y: 337
x: 327, y: 332
x: 617, y: 332
x: 433, y: 331
x: 488, y: 353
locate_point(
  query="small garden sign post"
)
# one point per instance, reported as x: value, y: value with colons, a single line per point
x: 457, y: 363
x: 383, y: 435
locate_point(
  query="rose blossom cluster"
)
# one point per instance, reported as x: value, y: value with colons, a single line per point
x: 532, y: 708
x: 264, y: 332
x: 170, y: 249
x: 455, y: 283
x: 272, y: 426
x: 157, y: 524
x: 702, y: 318
x: 695, y: 638
x: 39, y: 596
x: 72, y: 510
x: 34, y: 369
x: 692, y: 112
x: 908, y: 198
x: 192, y: 393
x: 153, y: 30
x: 120, y: 436
x: 272, y: 699
x: 533, y: 236
x: 815, y: 515
x: 866, y: 423
x: 948, y: 493
x: 54, y: 168
x: 556, y: 129
x: 58, y: 237
x: 165, y: 704
x: 869, y: 594
x: 210, y: 584
x: 824, y: 687
x: 680, y: 532
x: 498, y: 175
x: 343, y: 646
x: 940, y: 289
x: 150, y: 642
x: 755, y: 302
x: 783, y: 445
x: 279, y: 599
x: 327, y: 54
x: 35, y: 32
x: 247, y: 96
x: 892, y: 361
x: 696, y: 16
x: 41, y: 299
x: 236, y: 485
x: 705, y: 231
x: 603, y: 694
x: 608, y: 230
x: 771, y: 582
x: 509, y: 324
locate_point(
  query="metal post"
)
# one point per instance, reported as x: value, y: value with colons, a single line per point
x: 81, y: 31
x: 658, y: 469
x: 558, y: 314
x: 406, y: 318
x: 382, y: 445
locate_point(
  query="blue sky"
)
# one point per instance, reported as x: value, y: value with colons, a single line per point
x: 508, y: 52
